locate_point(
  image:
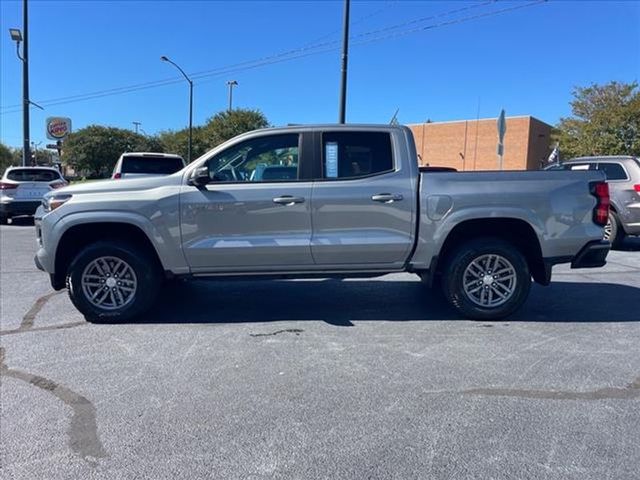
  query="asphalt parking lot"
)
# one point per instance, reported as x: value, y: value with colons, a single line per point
x: 362, y: 379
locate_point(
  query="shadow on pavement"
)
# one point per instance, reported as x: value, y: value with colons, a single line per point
x: 342, y: 302
x: 630, y: 244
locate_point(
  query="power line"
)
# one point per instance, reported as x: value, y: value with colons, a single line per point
x: 289, y: 55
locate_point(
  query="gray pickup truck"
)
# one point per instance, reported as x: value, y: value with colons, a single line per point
x: 321, y: 201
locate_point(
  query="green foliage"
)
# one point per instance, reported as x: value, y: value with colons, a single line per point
x: 43, y: 157
x: 95, y: 149
x: 228, y: 124
x: 6, y: 158
x: 218, y: 129
x: 178, y: 142
x: 605, y: 121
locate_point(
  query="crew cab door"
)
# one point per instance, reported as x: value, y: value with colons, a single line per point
x: 254, y: 214
x: 363, y: 204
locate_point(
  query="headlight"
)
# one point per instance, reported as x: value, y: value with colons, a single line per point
x: 51, y: 202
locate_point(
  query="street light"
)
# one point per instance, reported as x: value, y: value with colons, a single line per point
x: 231, y: 83
x: 16, y: 36
x: 166, y: 59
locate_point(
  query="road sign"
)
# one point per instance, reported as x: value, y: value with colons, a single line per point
x: 502, y: 129
x: 502, y: 126
x: 58, y: 127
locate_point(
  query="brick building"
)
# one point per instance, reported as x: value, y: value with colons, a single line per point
x: 472, y: 144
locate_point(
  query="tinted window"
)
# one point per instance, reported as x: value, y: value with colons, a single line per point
x: 149, y: 164
x: 264, y: 159
x: 33, y: 175
x: 356, y: 154
x: 613, y: 171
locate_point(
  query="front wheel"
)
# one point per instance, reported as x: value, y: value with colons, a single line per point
x: 486, y: 279
x: 113, y: 281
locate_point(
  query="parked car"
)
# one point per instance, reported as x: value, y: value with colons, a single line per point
x: 357, y: 206
x: 146, y: 164
x: 623, y: 175
x: 22, y: 189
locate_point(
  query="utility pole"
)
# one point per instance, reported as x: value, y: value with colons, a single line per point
x: 137, y: 124
x: 231, y: 83
x: 26, y: 154
x: 345, y: 53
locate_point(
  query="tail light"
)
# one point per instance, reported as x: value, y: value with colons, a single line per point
x: 56, y: 185
x: 637, y: 188
x: 8, y: 186
x: 600, y: 190
x: 116, y: 176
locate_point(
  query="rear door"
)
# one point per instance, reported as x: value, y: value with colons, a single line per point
x: 363, y: 210
x: 254, y: 215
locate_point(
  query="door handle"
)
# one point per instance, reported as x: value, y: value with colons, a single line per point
x: 288, y: 200
x: 387, y: 197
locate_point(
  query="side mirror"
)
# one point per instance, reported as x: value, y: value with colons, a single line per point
x: 200, y: 176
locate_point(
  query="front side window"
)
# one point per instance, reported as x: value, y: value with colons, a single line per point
x: 263, y: 159
x: 613, y: 171
x: 355, y: 154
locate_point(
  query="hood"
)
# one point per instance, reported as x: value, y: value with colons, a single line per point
x: 121, y: 185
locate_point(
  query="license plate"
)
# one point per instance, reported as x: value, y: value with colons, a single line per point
x: 33, y: 194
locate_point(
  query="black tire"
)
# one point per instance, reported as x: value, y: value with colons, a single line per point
x: 613, y: 231
x: 458, y: 272
x: 146, y: 274
x: 4, y: 219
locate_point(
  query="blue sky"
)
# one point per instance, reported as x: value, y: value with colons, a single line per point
x: 525, y: 60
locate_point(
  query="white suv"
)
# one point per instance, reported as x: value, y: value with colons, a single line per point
x: 22, y: 189
x: 147, y: 164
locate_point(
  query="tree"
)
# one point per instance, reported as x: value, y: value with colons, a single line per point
x: 605, y: 121
x: 6, y: 158
x: 177, y: 141
x: 230, y: 123
x: 95, y: 149
x: 219, y: 128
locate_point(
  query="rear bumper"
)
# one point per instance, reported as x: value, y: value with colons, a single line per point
x: 19, y: 208
x: 592, y: 255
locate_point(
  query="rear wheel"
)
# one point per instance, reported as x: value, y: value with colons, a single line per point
x: 4, y: 219
x: 612, y: 230
x: 113, y: 281
x: 486, y: 279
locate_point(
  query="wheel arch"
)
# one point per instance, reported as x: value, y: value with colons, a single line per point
x: 513, y: 230
x: 76, y: 237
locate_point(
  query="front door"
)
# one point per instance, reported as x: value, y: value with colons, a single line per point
x: 254, y: 214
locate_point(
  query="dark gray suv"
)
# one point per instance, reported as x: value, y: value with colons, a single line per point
x: 623, y: 177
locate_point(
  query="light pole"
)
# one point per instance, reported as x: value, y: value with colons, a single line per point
x: 16, y: 36
x: 231, y: 83
x: 166, y: 59
x: 137, y: 125
x: 345, y: 53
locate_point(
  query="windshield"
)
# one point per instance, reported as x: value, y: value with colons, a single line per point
x: 32, y: 175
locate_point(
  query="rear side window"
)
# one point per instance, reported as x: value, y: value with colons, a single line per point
x: 613, y: 171
x: 580, y: 166
x: 149, y: 164
x: 355, y: 154
x: 32, y: 175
